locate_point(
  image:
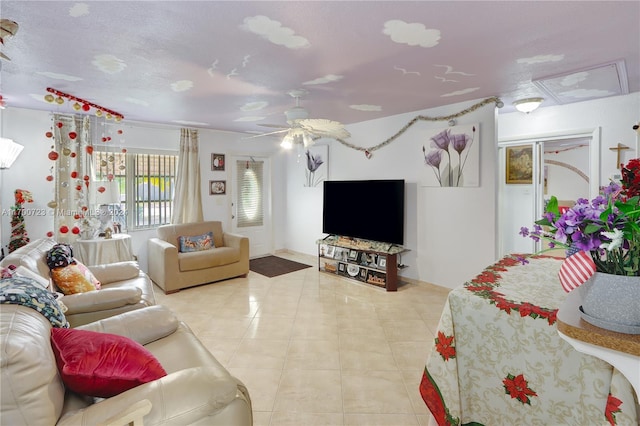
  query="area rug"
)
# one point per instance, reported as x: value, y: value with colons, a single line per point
x: 272, y: 266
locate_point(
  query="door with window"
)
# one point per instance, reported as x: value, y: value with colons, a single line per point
x: 251, y: 205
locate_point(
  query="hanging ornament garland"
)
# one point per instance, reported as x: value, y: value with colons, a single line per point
x: 368, y: 151
x: 86, y: 105
x: 71, y: 152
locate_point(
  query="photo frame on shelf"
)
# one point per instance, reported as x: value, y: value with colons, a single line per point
x: 341, y: 267
x: 217, y: 187
x: 217, y: 162
x: 519, y: 164
x: 330, y: 251
x: 382, y: 261
x: 353, y: 254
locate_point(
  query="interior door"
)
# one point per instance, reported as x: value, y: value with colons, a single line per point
x: 251, y: 205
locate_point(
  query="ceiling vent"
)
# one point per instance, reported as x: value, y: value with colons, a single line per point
x: 600, y: 81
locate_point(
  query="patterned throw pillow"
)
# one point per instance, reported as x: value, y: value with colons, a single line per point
x: 74, y: 278
x: 196, y: 243
x: 59, y: 255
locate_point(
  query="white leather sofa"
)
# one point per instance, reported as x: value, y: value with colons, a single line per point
x: 172, y: 270
x: 196, y: 390
x: 124, y: 286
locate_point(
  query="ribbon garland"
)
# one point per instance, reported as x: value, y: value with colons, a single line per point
x: 368, y: 151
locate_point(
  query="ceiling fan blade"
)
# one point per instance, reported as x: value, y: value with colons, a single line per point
x: 266, y: 134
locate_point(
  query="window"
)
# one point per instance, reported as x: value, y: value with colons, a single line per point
x: 250, y: 207
x: 146, y: 182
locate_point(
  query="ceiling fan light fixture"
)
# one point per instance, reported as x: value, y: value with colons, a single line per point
x: 528, y: 105
x: 287, y: 141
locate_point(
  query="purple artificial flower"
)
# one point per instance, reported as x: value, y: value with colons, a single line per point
x: 313, y: 162
x: 441, y: 140
x: 434, y: 158
x: 524, y: 231
x: 459, y: 142
x: 522, y: 260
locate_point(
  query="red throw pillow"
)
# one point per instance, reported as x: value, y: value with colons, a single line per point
x: 102, y: 364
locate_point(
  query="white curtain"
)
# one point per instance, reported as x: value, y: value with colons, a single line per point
x: 187, y: 201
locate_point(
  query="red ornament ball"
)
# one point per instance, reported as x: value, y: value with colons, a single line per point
x: 76, y: 216
x: 49, y: 134
x: 75, y: 230
x: 73, y: 135
x: 78, y: 187
x: 101, y: 189
x: 124, y: 150
x: 49, y: 234
x: 53, y: 156
x: 110, y: 177
x: 73, y: 155
x: 74, y: 174
x: 89, y: 149
x: 86, y: 107
x: 84, y: 208
x: 49, y: 178
x: 119, y: 131
x: 59, y: 124
x: 85, y: 177
x: 64, y: 229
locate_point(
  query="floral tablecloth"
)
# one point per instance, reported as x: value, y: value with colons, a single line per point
x: 498, y: 359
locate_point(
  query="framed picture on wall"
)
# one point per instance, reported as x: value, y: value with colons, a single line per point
x: 519, y: 163
x: 217, y: 187
x: 217, y: 162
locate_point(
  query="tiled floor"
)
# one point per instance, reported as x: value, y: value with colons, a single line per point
x: 315, y: 349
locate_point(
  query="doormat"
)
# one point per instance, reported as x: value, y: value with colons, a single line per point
x: 272, y: 266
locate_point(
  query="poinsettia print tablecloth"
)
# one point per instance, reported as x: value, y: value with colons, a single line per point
x: 497, y: 357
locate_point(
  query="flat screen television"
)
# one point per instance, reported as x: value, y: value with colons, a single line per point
x: 367, y: 209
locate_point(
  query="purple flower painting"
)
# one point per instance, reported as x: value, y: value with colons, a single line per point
x: 452, y: 155
x: 315, y: 161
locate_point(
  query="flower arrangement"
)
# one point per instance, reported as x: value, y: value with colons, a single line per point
x: 89, y: 227
x: 608, y: 227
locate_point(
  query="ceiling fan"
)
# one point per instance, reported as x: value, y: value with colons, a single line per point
x: 8, y: 29
x: 301, y: 129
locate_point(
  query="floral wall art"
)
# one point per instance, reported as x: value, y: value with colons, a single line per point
x: 316, y: 167
x: 451, y: 156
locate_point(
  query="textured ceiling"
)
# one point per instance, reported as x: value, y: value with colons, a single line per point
x: 228, y: 65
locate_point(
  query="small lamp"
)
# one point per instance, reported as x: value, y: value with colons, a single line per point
x: 9, y: 151
x: 105, y: 199
x: 527, y: 105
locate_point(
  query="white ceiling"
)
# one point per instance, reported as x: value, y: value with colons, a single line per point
x: 228, y: 65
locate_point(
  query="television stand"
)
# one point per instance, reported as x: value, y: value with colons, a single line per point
x: 369, y: 262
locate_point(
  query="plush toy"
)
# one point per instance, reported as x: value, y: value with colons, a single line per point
x: 19, y: 236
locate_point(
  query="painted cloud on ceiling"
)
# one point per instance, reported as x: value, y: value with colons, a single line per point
x: 460, y: 92
x: 273, y: 31
x: 108, y: 64
x: 366, y: 107
x: 182, y: 85
x: 57, y: 76
x: 587, y: 93
x: 249, y: 118
x: 79, y: 9
x: 329, y: 78
x: 136, y: 101
x: 573, y: 79
x: 540, y: 59
x: 414, y: 34
x: 254, y: 106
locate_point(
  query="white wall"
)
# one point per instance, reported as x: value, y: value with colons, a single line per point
x: 450, y: 232
x: 28, y: 128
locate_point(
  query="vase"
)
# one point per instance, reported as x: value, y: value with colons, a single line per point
x: 88, y: 234
x: 612, y: 302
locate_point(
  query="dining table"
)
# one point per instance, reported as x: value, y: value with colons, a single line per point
x: 497, y: 357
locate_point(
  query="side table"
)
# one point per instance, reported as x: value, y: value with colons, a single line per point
x: 99, y: 251
x: 620, y: 350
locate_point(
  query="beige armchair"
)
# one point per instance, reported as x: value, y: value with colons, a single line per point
x: 173, y: 270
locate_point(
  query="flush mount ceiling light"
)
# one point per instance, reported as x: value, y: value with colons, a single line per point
x: 528, y: 105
